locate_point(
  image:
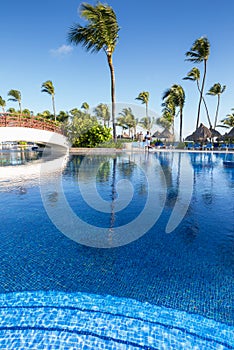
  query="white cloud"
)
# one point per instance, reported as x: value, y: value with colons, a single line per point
x: 62, y: 50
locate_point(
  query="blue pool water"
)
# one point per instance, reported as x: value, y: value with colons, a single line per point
x: 185, y: 275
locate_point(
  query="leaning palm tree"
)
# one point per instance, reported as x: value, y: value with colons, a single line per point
x: 176, y: 95
x: 100, y: 33
x: 48, y: 87
x: 2, y: 104
x: 198, y: 53
x: 144, y: 98
x: 216, y: 90
x: 15, y: 96
x: 228, y: 122
x: 194, y: 75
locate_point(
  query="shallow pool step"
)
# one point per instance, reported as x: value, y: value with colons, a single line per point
x: 56, y: 320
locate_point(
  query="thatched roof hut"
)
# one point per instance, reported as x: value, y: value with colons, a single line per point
x: 231, y: 134
x: 215, y: 133
x: 201, y: 134
x: 227, y: 136
x: 166, y: 134
x: 157, y: 134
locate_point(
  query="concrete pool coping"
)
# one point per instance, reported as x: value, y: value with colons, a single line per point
x: 85, y: 150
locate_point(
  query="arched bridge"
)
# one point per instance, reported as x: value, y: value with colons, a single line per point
x: 31, y: 129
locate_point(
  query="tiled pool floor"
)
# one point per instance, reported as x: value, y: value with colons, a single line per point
x: 57, y: 320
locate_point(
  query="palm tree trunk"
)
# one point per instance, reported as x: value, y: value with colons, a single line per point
x: 109, y: 57
x: 217, y: 111
x: 54, y: 107
x: 20, y: 107
x: 181, y: 123
x: 201, y: 94
x: 207, y: 112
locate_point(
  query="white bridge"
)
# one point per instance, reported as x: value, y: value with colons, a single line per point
x: 31, y: 129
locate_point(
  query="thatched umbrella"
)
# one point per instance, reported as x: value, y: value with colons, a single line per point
x: 201, y: 134
x: 227, y: 136
x: 157, y: 134
x: 166, y: 134
x: 215, y: 133
x: 231, y: 134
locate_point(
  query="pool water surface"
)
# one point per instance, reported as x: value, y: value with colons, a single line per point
x: 187, y: 273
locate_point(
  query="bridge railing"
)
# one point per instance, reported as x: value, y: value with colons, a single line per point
x: 26, y: 121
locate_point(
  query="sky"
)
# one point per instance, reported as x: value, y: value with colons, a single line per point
x: 149, y: 55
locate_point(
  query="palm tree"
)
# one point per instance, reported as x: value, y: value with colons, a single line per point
x: 102, y: 112
x: 2, y: 104
x: 101, y: 33
x: 198, y: 53
x: 176, y: 96
x: 48, y: 87
x: 144, y: 98
x: 127, y: 118
x: 85, y: 106
x: 15, y: 96
x: 147, y: 123
x: 216, y: 90
x: 167, y: 119
x: 194, y: 75
x: 228, y: 122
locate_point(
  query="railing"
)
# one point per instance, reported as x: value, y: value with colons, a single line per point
x: 26, y: 121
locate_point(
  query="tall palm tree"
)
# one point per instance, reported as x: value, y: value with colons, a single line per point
x: 102, y: 112
x: 2, y: 104
x: 100, y: 33
x: 194, y: 75
x: 15, y: 96
x: 48, y: 87
x: 198, y: 53
x: 216, y: 90
x: 176, y: 95
x: 144, y: 98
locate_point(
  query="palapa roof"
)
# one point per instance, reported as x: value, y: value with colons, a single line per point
x: 227, y: 136
x: 166, y: 134
x: 231, y: 133
x: 157, y: 134
x: 215, y: 133
x: 200, y: 134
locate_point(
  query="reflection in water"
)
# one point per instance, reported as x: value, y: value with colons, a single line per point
x: 21, y: 157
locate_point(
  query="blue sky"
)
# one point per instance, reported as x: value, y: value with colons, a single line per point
x: 150, y: 54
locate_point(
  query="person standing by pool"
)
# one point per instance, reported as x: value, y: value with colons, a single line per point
x: 147, y: 140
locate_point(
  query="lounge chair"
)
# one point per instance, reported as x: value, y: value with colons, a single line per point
x: 208, y: 146
x: 189, y: 146
x: 197, y: 146
x: 223, y: 147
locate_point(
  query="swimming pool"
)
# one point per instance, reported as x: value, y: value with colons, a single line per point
x: 182, y: 272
